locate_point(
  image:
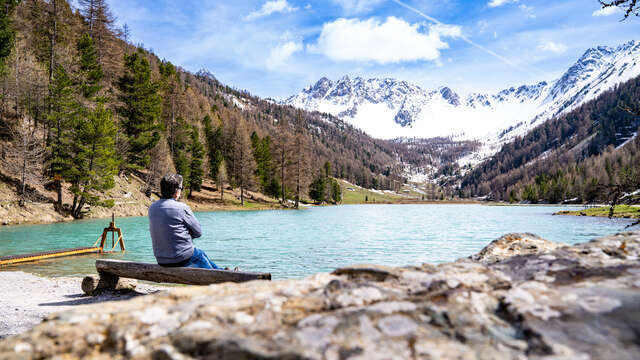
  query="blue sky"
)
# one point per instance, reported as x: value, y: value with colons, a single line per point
x: 274, y: 48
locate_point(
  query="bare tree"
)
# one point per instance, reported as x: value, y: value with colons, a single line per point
x: 283, y: 161
x: 301, y: 151
x: 221, y: 178
x: 244, y: 162
x: 24, y: 158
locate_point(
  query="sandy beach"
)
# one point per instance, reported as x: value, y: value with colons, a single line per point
x: 27, y: 299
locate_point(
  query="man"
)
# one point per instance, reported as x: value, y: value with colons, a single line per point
x: 173, y: 228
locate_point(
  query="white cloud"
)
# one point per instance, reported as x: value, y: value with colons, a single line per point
x: 281, y: 53
x: 553, y: 47
x: 357, y: 6
x: 270, y: 7
x: 528, y: 10
x: 386, y: 42
x: 607, y: 11
x: 496, y: 3
x: 482, y: 26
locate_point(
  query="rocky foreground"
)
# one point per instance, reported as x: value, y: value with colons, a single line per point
x: 521, y: 297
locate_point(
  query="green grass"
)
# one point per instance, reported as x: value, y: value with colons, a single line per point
x: 620, y: 211
x: 359, y: 195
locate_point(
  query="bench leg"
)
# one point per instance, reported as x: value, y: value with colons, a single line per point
x: 93, y: 285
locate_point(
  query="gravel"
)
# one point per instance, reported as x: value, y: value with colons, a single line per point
x: 27, y: 299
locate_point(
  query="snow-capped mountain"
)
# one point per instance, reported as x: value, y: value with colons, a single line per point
x: 389, y: 108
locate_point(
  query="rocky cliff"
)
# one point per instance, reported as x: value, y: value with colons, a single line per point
x: 521, y: 297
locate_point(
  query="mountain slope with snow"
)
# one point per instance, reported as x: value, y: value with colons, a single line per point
x: 389, y: 108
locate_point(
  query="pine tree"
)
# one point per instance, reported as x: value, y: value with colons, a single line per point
x: 61, y: 120
x: 214, y: 146
x: 317, y: 189
x: 265, y: 171
x: 141, y: 109
x: 196, y: 172
x: 95, y: 162
x: 7, y: 33
x: 181, y: 157
x: 90, y: 82
x: 170, y: 85
x: 336, y: 192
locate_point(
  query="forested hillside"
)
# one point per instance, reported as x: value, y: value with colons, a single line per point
x: 80, y: 104
x: 573, y: 157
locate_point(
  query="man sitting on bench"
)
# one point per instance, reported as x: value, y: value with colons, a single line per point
x: 173, y: 228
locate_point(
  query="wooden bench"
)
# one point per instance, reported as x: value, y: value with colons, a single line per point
x: 113, y: 274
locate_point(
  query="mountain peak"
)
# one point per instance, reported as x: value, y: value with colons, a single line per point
x: 449, y: 95
x: 386, y: 107
x: 205, y: 73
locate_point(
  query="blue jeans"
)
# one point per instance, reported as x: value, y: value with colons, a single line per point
x: 198, y: 260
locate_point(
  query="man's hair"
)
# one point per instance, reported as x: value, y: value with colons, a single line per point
x: 169, y: 184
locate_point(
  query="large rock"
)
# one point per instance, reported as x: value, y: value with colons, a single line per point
x: 566, y: 302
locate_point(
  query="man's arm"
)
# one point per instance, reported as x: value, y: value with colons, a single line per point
x: 195, y: 230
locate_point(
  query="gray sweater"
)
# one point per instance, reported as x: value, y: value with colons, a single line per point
x: 172, y: 226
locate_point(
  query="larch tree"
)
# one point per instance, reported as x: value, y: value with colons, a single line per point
x: 101, y: 23
x: 301, y: 158
x: 221, y: 178
x: 244, y: 162
x: 282, y: 154
x: 24, y: 156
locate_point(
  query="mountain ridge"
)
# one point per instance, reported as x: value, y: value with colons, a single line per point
x: 387, y: 108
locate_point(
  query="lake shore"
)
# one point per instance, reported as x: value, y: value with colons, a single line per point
x: 517, y: 297
x: 33, y: 298
x: 620, y: 211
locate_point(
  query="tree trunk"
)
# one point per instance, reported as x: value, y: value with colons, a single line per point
x: 54, y: 34
x: 24, y: 171
x: 282, y: 165
x: 75, y: 202
x: 78, y: 211
x: 59, y: 190
x: 298, y: 183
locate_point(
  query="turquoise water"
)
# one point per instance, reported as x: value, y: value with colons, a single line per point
x: 292, y: 244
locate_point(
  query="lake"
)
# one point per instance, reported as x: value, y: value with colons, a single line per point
x: 292, y: 244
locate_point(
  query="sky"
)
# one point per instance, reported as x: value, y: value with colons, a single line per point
x: 275, y: 48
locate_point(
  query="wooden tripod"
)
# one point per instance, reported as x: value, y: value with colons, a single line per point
x: 113, y: 230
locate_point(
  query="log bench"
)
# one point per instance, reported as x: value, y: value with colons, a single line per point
x: 117, y: 275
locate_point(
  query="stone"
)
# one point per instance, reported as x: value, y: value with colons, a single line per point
x: 521, y: 297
